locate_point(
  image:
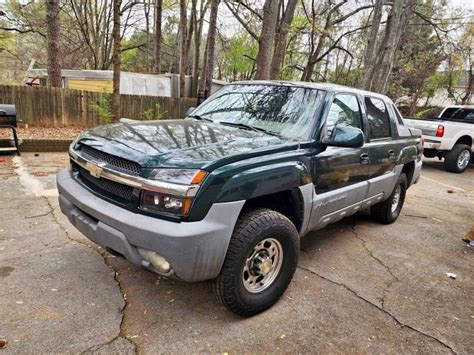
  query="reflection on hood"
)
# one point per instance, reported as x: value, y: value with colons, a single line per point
x: 174, y: 143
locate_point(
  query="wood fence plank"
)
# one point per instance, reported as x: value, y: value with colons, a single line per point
x: 53, y: 107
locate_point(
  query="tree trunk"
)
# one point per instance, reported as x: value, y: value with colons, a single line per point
x: 397, y: 22
x: 210, y: 50
x: 281, y: 39
x: 466, y: 98
x: 197, y: 49
x: 116, y: 60
x: 189, y: 37
x: 146, y: 11
x: 182, y: 47
x: 308, y: 70
x: 266, y: 40
x: 158, y: 15
x: 370, y: 53
x: 52, y: 20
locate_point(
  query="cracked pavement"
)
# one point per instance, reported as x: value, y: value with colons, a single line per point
x: 360, y: 286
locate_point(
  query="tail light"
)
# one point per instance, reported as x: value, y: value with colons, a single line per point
x: 422, y: 144
x: 440, y: 131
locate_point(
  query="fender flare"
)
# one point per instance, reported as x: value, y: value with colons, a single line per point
x: 264, y: 180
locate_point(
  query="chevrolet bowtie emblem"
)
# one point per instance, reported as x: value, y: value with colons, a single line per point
x: 95, y: 169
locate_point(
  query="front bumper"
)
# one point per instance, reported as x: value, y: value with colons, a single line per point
x: 195, y: 250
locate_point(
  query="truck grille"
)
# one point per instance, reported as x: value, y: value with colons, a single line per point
x: 113, y: 162
x: 118, y: 192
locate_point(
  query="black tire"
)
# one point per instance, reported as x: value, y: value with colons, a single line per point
x: 383, y: 212
x: 451, y: 158
x: 252, y: 228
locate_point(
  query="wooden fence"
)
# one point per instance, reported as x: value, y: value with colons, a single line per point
x: 53, y: 107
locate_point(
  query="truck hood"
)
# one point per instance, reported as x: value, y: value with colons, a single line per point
x: 182, y: 143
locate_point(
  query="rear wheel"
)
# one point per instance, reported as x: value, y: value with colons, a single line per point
x: 458, y: 158
x: 260, y: 262
x: 388, y: 211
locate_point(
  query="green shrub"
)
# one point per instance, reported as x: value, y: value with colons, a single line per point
x: 103, y: 108
x: 153, y: 113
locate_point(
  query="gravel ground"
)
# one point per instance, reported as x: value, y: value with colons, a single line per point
x: 360, y: 287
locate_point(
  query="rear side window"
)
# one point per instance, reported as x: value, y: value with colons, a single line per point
x: 344, y: 111
x: 459, y: 113
x: 377, y: 115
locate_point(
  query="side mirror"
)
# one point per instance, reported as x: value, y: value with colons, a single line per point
x: 189, y: 110
x: 345, y: 136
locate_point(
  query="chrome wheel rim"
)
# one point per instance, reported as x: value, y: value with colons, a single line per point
x: 263, y: 265
x: 396, y: 198
x: 463, y: 159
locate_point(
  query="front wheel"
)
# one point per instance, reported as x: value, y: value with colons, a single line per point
x: 457, y: 159
x: 388, y: 211
x: 260, y: 262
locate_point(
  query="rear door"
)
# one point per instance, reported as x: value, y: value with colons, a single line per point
x: 383, y: 150
x: 340, y: 174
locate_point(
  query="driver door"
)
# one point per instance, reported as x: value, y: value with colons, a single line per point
x: 340, y: 174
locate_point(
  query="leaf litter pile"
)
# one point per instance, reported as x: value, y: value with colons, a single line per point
x: 43, y: 133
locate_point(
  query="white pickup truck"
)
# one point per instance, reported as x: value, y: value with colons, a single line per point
x: 449, y: 136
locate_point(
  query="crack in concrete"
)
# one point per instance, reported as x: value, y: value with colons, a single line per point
x: 38, y: 189
x: 121, y: 333
x: 380, y: 308
x: 379, y: 261
x: 42, y: 214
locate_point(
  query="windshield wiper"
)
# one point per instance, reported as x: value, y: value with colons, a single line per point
x: 249, y: 127
x: 200, y: 118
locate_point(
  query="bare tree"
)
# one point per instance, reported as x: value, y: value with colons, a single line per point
x: 281, y: 38
x: 210, y: 48
x: 116, y: 60
x: 158, y: 35
x: 52, y: 20
x: 333, y: 17
x: 182, y: 46
x: 266, y: 40
x: 397, y: 21
x: 370, y: 54
x: 199, y: 18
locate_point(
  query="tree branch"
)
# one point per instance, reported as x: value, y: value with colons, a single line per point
x: 241, y: 20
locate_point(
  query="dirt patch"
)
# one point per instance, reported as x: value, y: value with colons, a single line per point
x: 5, y: 271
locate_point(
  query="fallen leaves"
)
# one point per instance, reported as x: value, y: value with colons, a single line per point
x: 44, y: 133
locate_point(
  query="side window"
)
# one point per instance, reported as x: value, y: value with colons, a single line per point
x: 377, y: 115
x: 344, y: 111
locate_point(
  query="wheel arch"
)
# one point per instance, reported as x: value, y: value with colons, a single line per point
x: 465, y: 139
x: 290, y: 203
x: 409, y: 170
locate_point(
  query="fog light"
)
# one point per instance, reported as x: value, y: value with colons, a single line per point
x: 155, y: 259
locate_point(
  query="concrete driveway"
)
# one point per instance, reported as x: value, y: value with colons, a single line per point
x: 360, y: 286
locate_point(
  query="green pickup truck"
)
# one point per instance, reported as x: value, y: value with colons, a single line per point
x: 225, y: 194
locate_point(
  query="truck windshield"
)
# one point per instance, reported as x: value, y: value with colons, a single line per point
x: 277, y: 109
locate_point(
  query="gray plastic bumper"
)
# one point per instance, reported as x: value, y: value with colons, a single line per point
x: 195, y: 250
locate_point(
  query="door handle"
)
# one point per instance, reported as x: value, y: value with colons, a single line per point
x: 364, y: 158
x: 391, y: 154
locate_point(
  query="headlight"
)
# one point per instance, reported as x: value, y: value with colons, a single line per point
x: 179, y: 176
x: 162, y: 202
